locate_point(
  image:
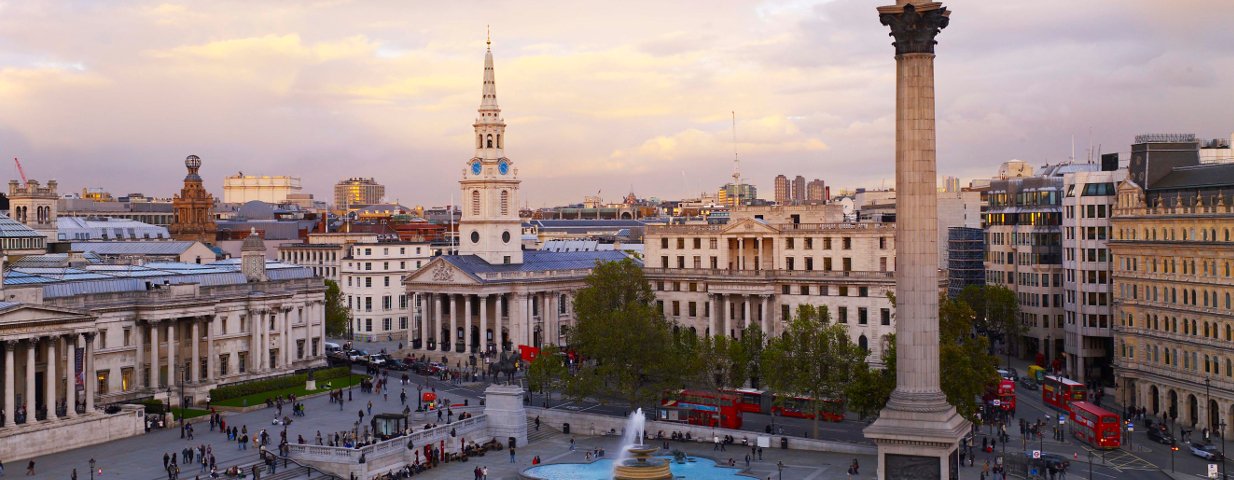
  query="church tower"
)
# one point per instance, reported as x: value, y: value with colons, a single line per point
x: 194, y: 220
x: 490, y: 227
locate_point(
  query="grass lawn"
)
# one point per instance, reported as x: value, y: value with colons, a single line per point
x: 259, y: 398
x: 188, y: 412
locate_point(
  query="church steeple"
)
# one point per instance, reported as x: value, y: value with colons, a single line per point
x: 490, y: 227
x: 490, y: 127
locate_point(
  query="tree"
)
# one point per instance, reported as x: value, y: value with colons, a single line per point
x: 996, y: 312
x: 337, y: 314
x: 628, y: 349
x: 547, y: 370
x: 871, y: 387
x: 813, y: 357
x: 963, y: 356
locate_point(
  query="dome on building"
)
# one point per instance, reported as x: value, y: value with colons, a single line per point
x: 256, y: 210
x: 253, y: 243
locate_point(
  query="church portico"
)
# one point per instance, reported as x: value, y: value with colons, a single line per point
x: 45, y: 352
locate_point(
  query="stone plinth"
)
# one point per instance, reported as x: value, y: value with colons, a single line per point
x: 507, y: 417
x: 45, y: 438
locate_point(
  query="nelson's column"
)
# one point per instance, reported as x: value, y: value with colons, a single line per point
x: 918, y: 431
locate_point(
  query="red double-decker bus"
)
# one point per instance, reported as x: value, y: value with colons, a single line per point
x: 1096, y: 426
x: 698, y: 407
x: 800, y: 407
x: 750, y: 400
x: 1004, y: 392
x: 1060, y: 393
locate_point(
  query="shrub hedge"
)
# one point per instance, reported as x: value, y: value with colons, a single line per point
x: 265, y: 385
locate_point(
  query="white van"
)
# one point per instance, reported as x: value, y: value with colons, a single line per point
x: 332, y: 347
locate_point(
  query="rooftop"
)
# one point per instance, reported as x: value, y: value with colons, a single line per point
x: 133, y: 247
x: 10, y: 228
x: 109, y: 278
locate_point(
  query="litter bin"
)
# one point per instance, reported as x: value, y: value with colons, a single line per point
x: 565, y: 428
x: 784, y: 443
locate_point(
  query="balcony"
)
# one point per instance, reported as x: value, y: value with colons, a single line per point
x: 768, y: 275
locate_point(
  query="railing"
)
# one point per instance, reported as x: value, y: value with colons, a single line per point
x: 770, y: 274
x: 323, y: 453
x: 783, y: 227
x: 545, y: 274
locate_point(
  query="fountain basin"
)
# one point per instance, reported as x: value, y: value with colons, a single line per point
x: 698, y: 469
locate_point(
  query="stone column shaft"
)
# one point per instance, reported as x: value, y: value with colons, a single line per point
x: 211, y: 366
x: 746, y: 301
x: 484, y: 323
x: 91, y: 376
x: 50, y: 379
x: 453, y: 336
x: 173, y: 363
x: 728, y: 316
x: 70, y: 392
x: 711, y: 315
x: 154, y: 355
x: 436, y: 323
x: 466, y: 324
x: 31, y: 345
x: 140, y: 367
x: 195, y: 338
x: 501, y: 322
x: 10, y: 379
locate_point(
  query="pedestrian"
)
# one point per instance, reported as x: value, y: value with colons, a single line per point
x: 537, y: 423
x: 30, y: 467
x: 716, y: 439
x: 571, y: 444
x: 484, y: 472
x: 747, y: 460
x: 166, y: 459
x: 74, y: 475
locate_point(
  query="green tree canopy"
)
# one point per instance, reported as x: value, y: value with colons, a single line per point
x: 813, y: 358
x: 629, y: 350
x: 336, y: 313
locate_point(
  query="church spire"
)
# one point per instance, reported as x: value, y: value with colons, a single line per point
x: 488, y: 104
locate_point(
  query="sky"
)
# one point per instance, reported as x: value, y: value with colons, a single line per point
x: 599, y: 97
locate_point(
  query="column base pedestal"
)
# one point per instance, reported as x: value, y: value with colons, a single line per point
x: 917, y: 437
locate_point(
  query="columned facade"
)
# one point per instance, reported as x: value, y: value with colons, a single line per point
x: 44, y: 376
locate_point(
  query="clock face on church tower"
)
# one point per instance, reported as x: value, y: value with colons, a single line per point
x: 475, y: 167
x: 503, y: 167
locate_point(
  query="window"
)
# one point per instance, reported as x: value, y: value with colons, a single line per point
x: 387, y: 279
x: 104, y: 379
x: 128, y: 336
x: 241, y: 362
x: 300, y: 349
x: 385, y: 324
x: 368, y: 324
x: 862, y: 316
x: 126, y: 379
x: 885, y: 316
x: 387, y: 303
x: 402, y: 323
x: 848, y: 243
x: 102, y: 339
x: 863, y: 291
x: 842, y: 315
x: 505, y: 202
x: 475, y: 202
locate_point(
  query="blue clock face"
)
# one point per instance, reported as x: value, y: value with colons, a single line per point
x: 503, y: 167
x: 475, y: 168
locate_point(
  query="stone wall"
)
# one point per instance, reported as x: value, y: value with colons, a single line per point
x: 39, y: 439
x: 595, y: 424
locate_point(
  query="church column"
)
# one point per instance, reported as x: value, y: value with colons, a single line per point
x: 452, y: 336
x: 502, y: 322
x: 711, y: 314
x: 10, y: 379
x: 154, y: 355
x: 195, y: 364
x: 484, y: 323
x: 466, y: 324
x: 521, y: 319
x: 70, y: 392
x: 436, y: 323
x: 50, y: 379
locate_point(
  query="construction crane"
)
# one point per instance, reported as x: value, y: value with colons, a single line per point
x: 20, y: 171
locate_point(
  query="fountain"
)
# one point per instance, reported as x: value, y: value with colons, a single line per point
x: 635, y: 461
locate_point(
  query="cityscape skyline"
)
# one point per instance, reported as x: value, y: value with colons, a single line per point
x: 254, y: 93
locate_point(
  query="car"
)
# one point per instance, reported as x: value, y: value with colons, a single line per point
x: 378, y: 359
x: 395, y: 364
x: 1160, y: 436
x: 360, y: 356
x: 1051, y: 460
x: 1029, y: 384
x: 1207, y: 452
x: 1008, y: 373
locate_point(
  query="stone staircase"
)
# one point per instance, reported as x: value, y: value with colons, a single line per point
x: 545, y: 432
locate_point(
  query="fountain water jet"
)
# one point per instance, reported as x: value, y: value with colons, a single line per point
x: 634, y: 461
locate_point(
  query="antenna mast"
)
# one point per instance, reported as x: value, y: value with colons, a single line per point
x: 736, y: 161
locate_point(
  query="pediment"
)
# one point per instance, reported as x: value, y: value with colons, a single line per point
x: 749, y: 225
x: 441, y: 271
x: 25, y: 315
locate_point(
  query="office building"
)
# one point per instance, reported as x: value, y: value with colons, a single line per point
x: 241, y: 188
x: 356, y: 192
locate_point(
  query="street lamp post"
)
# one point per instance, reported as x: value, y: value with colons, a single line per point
x: 780, y: 469
x: 91, y: 468
x: 419, y: 397
x: 1090, y: 465
x: 182, y: 382
x: 1221, y: 433
x: 1173, y: 448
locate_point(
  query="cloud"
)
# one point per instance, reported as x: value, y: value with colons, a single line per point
x: 597, y: 96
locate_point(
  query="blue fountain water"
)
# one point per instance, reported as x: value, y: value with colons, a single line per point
x: 699, y: 469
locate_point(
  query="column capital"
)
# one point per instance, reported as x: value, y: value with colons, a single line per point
x: 914, y: 24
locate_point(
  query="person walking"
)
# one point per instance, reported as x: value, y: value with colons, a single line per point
x: 30, y: 468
